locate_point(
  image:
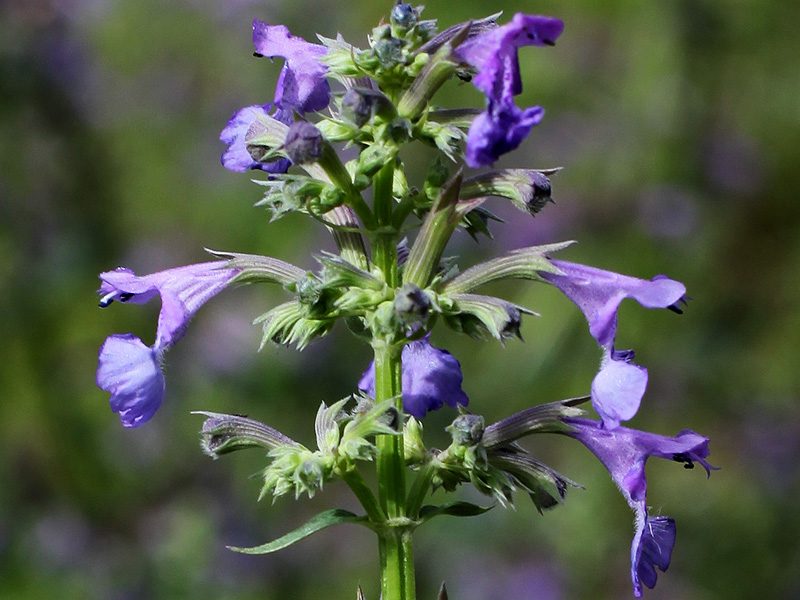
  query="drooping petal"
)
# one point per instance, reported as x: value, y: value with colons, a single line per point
x: 237, y: 157
x: 652, y: 547
x: 494, y: 53
x: 618, y: 388
x: 129, y: 370
x: 302, y: 85
x: 183, y: 291
x: 598, y: 294
x: 498, y: 130
x: 431, y: 377
x: 624, y: 452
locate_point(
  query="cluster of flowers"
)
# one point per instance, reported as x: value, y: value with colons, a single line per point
x: 387, y: 103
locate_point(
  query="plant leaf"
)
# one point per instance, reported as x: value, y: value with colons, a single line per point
x: 324, y: 519
x: 453, y: 509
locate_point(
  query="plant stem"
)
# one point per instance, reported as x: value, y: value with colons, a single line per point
x: 395, y: 543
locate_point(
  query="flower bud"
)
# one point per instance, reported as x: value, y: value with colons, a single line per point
x: 411, y: 305
x: 360, y: 105
x: 304, y: 143
x: 467, y: 430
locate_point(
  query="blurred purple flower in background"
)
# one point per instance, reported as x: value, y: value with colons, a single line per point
x: 431, y: 378
x: 502, y: 126
x: 618, y: 388
x: 128, y: 368
x: 624, y: 453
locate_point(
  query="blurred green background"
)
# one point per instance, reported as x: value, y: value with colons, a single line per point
x: 678, y: 126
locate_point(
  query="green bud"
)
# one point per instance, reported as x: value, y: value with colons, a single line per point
x: 467, y: 430
x: 415, y: 452
x: 412, y: 305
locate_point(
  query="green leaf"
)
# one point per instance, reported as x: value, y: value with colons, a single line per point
x: 453, y: 509
x: 324, y: 519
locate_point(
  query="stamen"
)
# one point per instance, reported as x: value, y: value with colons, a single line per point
x: 106, y: 300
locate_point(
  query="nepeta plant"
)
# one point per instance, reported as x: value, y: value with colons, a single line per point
x: 391, y: 295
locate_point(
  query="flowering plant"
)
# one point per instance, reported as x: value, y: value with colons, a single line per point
x: 392, y: 295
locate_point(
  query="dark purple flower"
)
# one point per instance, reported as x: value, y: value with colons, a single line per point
x: 624, y: 452
x: 302, y: 85
x: 237, y: 157
x: 493, y: 53
x: 498, y: 131
x: 431, y: 378
x: 618, y: 388
x: 128, y: 368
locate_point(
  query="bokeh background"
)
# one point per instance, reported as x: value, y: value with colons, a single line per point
x: 678, y: 126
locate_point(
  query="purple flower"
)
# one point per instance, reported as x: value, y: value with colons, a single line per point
x: 624, y: 453
x: 128, y: 368
x: 237, y: 157
x: 618, y: 388
x: 497, y: 131
x: 493, y: 53
x: 302, y: 85
x: 431, y: 378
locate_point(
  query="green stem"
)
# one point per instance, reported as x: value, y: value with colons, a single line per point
x: 355, y: 480
x: 395, y: 543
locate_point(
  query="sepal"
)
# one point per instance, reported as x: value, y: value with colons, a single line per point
x: 255, y: 268
x: 222, y: 434
x: 476, y: 315
x: 543, y: 418
x: 525, y: 263
x: 545, y: 486
x: 528, y: 189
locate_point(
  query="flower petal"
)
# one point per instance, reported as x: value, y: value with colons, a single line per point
x: 598, y: 294
x: 431, y: 377
x: 237, y: 157
x: 129, y: 370
x: 498, y: 130
x: 651, y: 548
x: 302, y: 85
x: 183, y: 291
x: 618, y: 388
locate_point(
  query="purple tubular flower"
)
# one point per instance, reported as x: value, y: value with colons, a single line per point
x: 493, y: 53
x: 431, y: 378
x: 618, y: 388
x: 624, y: 453
x: 237, y: 157
x: 128, y: 368
x: 302, y: 85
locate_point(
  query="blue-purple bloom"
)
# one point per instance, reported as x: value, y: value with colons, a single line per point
x: 502, y: 126
x: 624, y: 453
x: 431, y: 378
x: 618, y: 388
x: 302, y: 87
x: 128, y: 368
x: 237, y: 157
